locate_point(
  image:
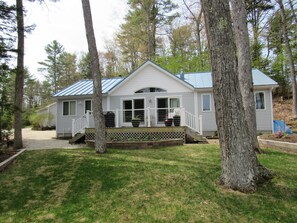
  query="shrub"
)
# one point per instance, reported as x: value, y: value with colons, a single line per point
x: 279, y: 134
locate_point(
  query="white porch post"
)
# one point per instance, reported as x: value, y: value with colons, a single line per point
x: 148, y: 117
x: 271, y: 102
x: 117, y: 118
x: 200, y: 125
x: 72, y: 129
x: 196, y: 111
x: 182, y: 117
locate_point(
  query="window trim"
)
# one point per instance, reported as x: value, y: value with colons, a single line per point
x: 75, y: 110
x: 210, y: 103
x: 154, y: 92
x: 264, y: 97
x: 132, y: 99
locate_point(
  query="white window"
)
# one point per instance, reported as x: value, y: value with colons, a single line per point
x: 132, y: 109
x: 206, y: 102
x: 69, y: 108
x: 88, y: 105
x: 260, y: 100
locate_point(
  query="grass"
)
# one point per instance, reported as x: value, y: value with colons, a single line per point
x: 165, y: 185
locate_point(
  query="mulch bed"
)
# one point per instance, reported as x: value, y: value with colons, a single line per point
x: 286, y: 138
x: 5, y: 154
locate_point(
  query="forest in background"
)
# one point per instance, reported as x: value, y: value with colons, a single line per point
x: 169, y: 32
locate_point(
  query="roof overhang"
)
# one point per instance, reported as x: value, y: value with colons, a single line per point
x: 271, y: 86
x: 203, y: 89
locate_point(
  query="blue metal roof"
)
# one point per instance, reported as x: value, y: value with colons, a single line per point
x: 204, y: 79
x: 259, y: 78
x: 197, y: 80
x: 85, y: 87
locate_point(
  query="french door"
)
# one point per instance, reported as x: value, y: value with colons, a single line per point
x: 166, y: 106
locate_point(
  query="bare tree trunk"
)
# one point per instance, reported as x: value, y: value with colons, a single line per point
x: 19, y: 79
x: 289, y: 56
x: 1, y: 113
x: 151, y: 31
x: 239, y: 18
x: 198, y: 31
x: 197, y: 24
x: 293, y: 11
x: 240, y: 167
x: 100, y: 139
x: 150, y: 37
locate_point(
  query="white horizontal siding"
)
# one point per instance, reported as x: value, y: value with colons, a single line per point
x: 208, y: 117
x: 51, y: 109
x: 150, y: 76
x: 264, y: 116
x: 64, y: 123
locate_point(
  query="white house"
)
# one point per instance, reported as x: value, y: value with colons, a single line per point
x: 50, y: 112
x: 152, y: 93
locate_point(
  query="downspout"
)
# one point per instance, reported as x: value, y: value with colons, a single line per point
x: 197, y: 117
x: 271, y: 105
x: 57, y: 112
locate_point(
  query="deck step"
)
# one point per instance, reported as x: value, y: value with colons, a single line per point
x: 79, y: 137
x: 193, y: 136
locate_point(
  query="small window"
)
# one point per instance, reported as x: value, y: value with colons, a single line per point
x: 260, y: 100
x: 88, y: 105
x: 69, y: 108
x: 206, y: 102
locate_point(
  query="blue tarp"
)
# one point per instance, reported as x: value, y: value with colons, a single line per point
x: 280, y: 125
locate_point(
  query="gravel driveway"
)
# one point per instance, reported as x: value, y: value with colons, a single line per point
x: 33, y: 140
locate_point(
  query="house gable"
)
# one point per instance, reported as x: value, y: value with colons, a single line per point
x: 150, y: 75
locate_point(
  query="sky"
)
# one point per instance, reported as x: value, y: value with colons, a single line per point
x: 63, y: 21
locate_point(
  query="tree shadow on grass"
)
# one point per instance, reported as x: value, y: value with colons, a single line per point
x: 271, y: 203
x: 120, y: 179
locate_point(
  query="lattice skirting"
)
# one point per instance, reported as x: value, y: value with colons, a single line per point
x: 141, y: 133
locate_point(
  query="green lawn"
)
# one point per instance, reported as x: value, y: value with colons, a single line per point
x: 158, y: 185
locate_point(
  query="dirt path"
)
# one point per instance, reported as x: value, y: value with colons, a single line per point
x: 33, y: 140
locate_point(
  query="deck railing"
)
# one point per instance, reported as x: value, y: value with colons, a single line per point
x: 79, y: 125
x: 193, y: 122
x: 149, y: 117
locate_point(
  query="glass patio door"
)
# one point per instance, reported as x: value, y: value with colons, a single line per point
x: 162, y: 109
x: 166, y: 106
